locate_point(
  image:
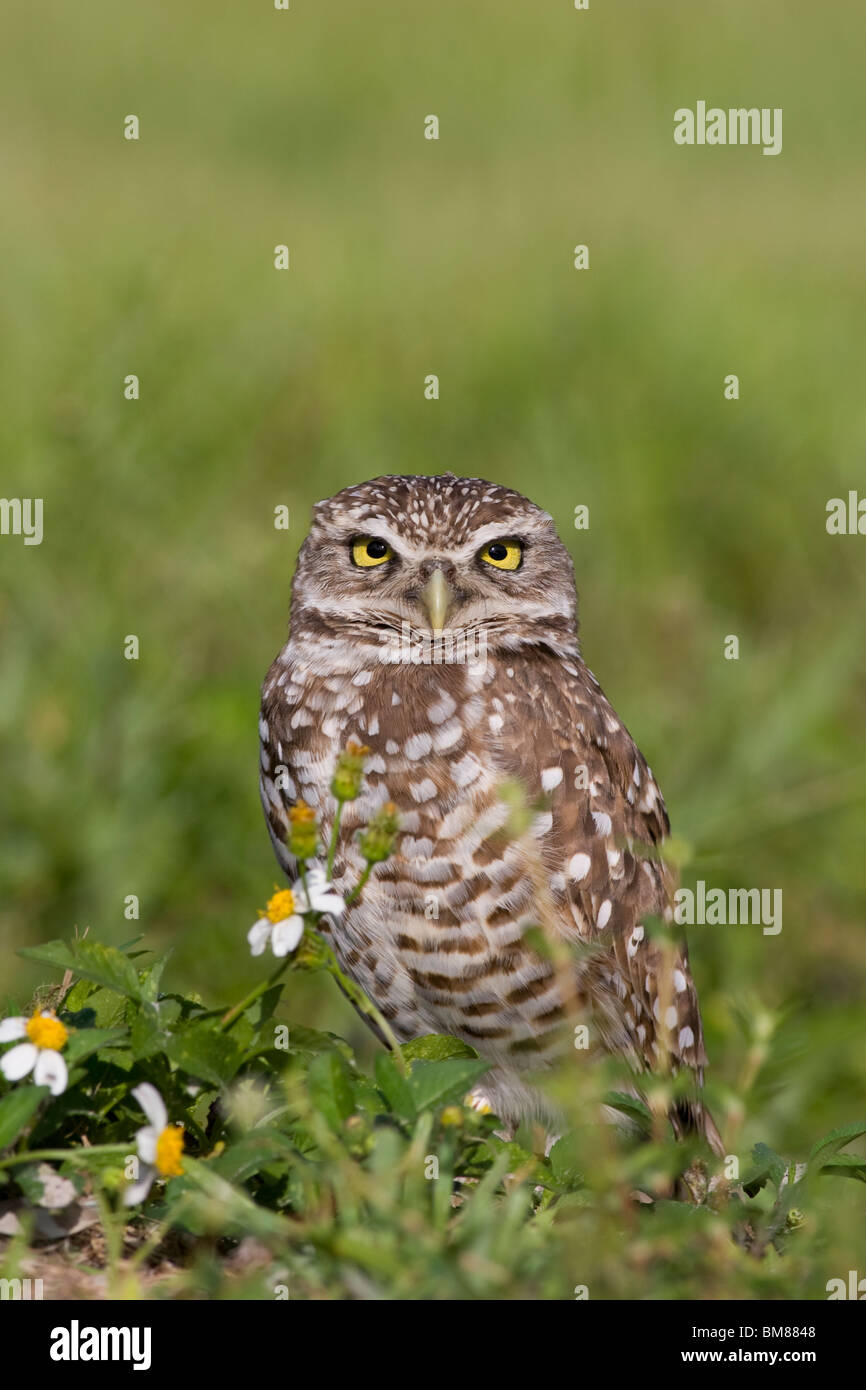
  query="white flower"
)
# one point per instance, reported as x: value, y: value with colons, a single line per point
x: 282, y: 922
x: 160, y: 1145
x: 40, y: 1054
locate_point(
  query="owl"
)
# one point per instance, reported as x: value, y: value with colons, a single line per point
x: 434, y: 620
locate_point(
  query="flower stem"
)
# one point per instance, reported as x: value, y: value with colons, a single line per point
x: 76, y: 1154
x: 359, y: 886
x: 335, y: 832
x: 356, y: 996
x: 237, y: 1009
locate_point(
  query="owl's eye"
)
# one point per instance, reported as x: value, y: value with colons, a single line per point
x: 503, y: 555
x: 368, y: 551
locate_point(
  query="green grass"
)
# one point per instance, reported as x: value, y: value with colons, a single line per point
x: 601, y: 387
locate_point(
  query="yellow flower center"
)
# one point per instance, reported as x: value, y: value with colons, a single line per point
x: 302, y: 814
x: 169, y: 1147
x: 280, y: 906
x: 44, y: 1030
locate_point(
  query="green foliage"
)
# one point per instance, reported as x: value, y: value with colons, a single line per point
x: 92, y: 961
x: 16, y: 1109
x: 384, y: 1185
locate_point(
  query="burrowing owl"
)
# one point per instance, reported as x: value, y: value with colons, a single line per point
x: 434, y: 620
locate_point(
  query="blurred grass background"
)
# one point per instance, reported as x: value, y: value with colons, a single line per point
x: 602, y: 387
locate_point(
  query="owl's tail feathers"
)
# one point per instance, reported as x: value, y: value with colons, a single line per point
x: 693, y: 1117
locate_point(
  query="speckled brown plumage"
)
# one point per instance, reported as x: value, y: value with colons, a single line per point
x: 437, y: 938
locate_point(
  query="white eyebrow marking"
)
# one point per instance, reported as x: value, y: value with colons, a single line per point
x: 401, y: 544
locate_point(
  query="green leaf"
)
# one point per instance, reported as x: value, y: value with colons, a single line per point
x: 835, y: 1140
x: 769, y: 1167
x: 86, y: 1041
x: 77, y: 996
x: 394, y: 1087
x: 203, y: 1051
x: 520, y: 1160
x: 565, y: 1165
x: 368, y: 1097
x: 309, y: 1042
x: 105, y: 1008
x: 631, y: 1106
x: 251, y: 1154
x: 150, y: 979
x: 205, y: 1203
x: 330, y: 1086
x: 436, y: 1047
x: 434, y: 1084
x: 16, y: 1110
x: 845, y: 1166
x: 91, y: 959
x: 262, y: 1009
x: 149, y: 1026
x: 28, y: 1179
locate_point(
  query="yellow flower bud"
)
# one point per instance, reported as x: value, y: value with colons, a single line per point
x: 346, y: 782
x: 377, y: 841
x: 303, y: 838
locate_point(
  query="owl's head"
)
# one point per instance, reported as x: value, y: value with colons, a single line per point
x: 436, y: 553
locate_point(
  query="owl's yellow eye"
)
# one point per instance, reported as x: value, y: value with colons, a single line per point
x: 368, y: 551
x: 504, y: 555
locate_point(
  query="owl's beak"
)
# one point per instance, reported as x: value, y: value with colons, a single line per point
x: 436, y: 596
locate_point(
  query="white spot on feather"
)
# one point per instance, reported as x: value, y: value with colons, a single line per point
x: 442, y: 709
x: 541, y: 824
x: 417, y: 745
x: 448, y: 736
x: 578, y: 867
x: 466, y: 771
x: 634, y: 941
x: 423, y: 791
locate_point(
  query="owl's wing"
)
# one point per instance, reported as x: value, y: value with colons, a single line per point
x: 608, y: 880
x: 280, y: 746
